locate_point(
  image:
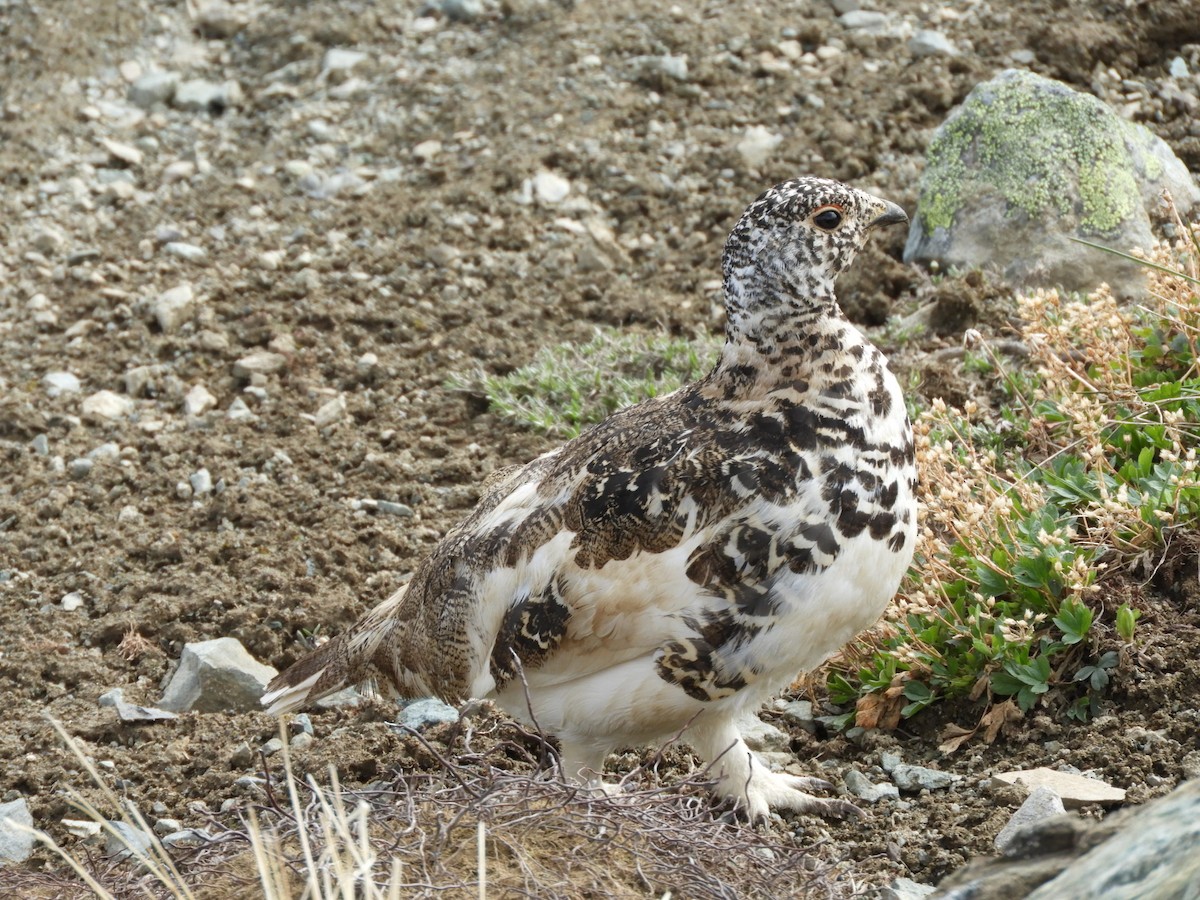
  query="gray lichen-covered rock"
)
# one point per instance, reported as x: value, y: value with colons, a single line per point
x: 1024, y: 165
x: 216, y: 675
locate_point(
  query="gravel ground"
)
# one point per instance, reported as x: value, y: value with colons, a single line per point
x: 231, y: 296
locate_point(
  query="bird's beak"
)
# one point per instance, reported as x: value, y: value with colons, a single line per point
x: 891, y: 215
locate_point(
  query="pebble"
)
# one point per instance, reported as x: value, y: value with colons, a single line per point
x: 174, y: 307
x: 124, y: 153
x: 132, y: 712
x: 198, y: 95
x: 550, y: 188
x: 260, y: 362
x: 1178, y: 68
x: 339, y: 62
x: 300, y: 741
x: 140, y: 379
x: 167, y: 826
x: 153, y: 88
x: 129, y: 515
x: 798, y: 712
x: 394, y: 509
x: 1040, y: 805
x: 198, y: 401
x: 242, y: 756
x: 185, y: 251
x: 58, y: 383
x: 84, y: 829
x: 462, y: 10
x: 238, y: 410
x: 40, y: 445
x: 864, y: 20
x: 931, y: 43
x: 917, y: 778
x: 330, y: 412
x: 1191, y: 765
x: 301, y: 724
x: 423, y: 713
x: 16, y: 844
x: 79, y: 468
x: 427, y: 150
x: 861, y: 786
x: 201, y: 482
x: 48, y: 241
x: 106, y: 405
x: 183, y: 490
x: 906, y: 889
x: 271, y: 747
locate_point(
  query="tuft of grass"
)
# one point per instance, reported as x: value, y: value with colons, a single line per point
x: 460, y: 828
x: 1086, y: 472
x: 568, y: 387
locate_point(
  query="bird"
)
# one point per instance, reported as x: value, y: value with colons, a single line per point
x: 664, y: 573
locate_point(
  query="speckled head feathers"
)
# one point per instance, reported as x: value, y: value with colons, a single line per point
x: 793, y: 241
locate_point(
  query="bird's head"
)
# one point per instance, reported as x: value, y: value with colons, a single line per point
x: 790, y: 245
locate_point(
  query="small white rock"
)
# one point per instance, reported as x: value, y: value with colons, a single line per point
x: 174, y: 307
x: 931, y: 43
x: 186, y: 251
x: 427, y: 150
x: 1178, y: 68
x: 58, y: 383
x: 131, y: 156
x: 330, y: 412
x: 129, y: 515
x: 260, y: 362
x: 239, y: 410
x: 550, y: 188
x: 106, y: 405
x: 340, y: 62
x: 201, y: 482
x: 72, y: 601
x: 198, y: 401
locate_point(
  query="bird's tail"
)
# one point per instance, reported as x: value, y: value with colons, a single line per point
x: 344, y: 661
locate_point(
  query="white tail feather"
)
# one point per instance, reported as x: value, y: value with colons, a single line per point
x: 290, y: 698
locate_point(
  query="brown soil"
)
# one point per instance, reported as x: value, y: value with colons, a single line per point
x: 439, y: 270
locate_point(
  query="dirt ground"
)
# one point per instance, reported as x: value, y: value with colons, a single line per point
x: 379, y: 265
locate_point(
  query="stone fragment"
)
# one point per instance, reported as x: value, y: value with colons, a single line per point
x: 422, y: 713
x: 72, y: 601
x: 394, y: 509
x: 174, y: 307
x: 59, y: 383
x: 462, y: 10
x: 1041, y: 804
x: 216, y: 675
x: 861, y: 786
x: 198, y: 95
x: 106, y: 406
x: 330, y: 412
x: 124, y: 153
x: 198, y: 401
x: 917, y: 778
x: 260, y: 362
x: 16, y: 844
x: 550, y: 188
x: 201, y: 482
x: 185, y: 251
x: 931, y: 43
x: 798, y: 712
x: 865, y: 20
x: 1074, y: 790
x: 132, y: 712
x: 152, y: 88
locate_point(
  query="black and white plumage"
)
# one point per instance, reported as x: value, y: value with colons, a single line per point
x: 691, y: 555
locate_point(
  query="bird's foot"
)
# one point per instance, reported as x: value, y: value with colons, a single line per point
x: 766, y: 791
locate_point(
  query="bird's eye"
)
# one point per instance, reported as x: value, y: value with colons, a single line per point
x: 828, y: 218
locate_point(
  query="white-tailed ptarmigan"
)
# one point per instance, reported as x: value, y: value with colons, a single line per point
x: 686, y: 558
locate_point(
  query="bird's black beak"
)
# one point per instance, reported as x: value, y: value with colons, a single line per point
x: 891, y: 215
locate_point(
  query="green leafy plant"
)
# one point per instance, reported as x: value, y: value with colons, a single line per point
x: 566, y: 388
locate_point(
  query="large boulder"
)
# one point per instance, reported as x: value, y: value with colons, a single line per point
x: 1024, y: 165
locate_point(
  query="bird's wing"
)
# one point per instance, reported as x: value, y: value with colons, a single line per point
x: 617, y: 545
